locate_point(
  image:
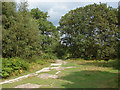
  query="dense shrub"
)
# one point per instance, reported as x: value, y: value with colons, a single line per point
x: 13, y: 66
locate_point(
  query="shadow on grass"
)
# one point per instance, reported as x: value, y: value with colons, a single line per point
x: 91, y: 79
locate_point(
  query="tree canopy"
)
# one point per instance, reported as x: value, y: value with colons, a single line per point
x: 90, y: 32
x: 26, y: 33
x: 48, y: 31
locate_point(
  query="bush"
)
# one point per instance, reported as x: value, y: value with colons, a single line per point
x: 13, y: 65
x: 41, y: 62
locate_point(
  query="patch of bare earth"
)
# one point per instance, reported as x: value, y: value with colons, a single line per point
x: 46, y: 76
x: 57, y: 68
x: 70, y: 67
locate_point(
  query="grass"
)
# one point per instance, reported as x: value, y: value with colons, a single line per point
x: 87, y: 74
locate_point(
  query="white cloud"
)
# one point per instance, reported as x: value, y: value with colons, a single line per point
x: 51, y: 12
x: 56, y: 11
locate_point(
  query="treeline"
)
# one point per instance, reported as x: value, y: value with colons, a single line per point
x: 90, y: 32
x: 27, y: 34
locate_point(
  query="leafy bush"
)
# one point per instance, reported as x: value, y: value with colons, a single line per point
x: 13, y: 65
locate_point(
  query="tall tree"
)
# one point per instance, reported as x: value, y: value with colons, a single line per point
x: 20, y: 32
x: 48, y: 30
x: 90, y: 31
x: 8, y: 19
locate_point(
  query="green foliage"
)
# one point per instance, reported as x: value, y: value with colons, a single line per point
x: 27, y: 33
x: 49, y: 33
x: 20, y: 32
x: 90, y: 32
x: 13, y: 65
x: 61, y: 51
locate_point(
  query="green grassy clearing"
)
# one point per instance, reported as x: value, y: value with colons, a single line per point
x: 85, y: 75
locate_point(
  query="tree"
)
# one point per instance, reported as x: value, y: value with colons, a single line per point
x: 8, y: 19
x: 118, y: 47
x: 90, y: 31
x: 20, y: 32
x: 48, y: 31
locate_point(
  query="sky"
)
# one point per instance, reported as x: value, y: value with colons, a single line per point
x: 58, y: 8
